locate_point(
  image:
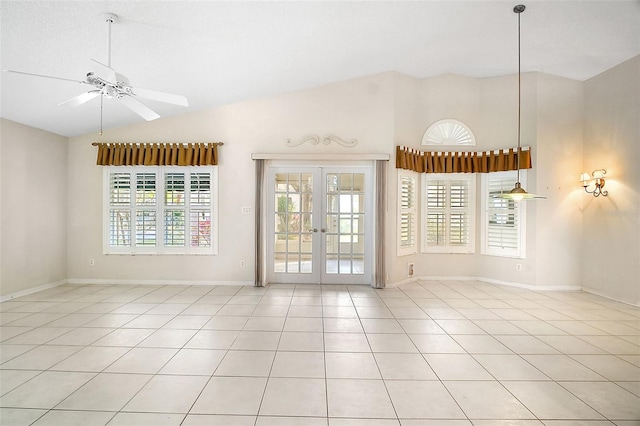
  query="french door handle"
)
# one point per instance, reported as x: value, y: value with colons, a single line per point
x: 323, y: 230
x: 315, y: 229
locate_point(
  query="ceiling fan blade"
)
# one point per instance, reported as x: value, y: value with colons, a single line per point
x: 108, y: 71
x: 80, y: 99
x: 46, y: 76
x: 139, y: 108
x: 154, y: 95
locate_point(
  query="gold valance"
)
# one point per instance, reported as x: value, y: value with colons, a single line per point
x: 157, y: 154
x: 461, y: 162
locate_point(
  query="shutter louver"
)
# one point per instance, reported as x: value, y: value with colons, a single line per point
x: 174, y: 215
x: 200, y: 218
x: 436, y: 216
x: 200, y: 194
x: 459, y: 217
x: 503, y: 230
x: 449, y: 204
x: 119, y: 233
x: 407, y: 213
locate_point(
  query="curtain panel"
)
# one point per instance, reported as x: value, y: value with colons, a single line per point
x: 260, y: 200
x: 157, y: 154
x: 380, y: 276
x: 461, y: 162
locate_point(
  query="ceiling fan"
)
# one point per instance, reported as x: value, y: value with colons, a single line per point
x: 107, y: 83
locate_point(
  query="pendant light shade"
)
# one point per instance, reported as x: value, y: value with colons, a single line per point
x: 518, y: 193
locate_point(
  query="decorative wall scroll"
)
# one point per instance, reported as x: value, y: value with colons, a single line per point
x: 315, y: 140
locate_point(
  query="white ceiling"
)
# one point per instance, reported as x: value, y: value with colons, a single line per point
x: 220, y: 52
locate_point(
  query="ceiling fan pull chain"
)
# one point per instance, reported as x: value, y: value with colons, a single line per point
x: 101, y: 103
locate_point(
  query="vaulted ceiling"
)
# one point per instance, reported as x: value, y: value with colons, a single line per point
x: 220, y: 52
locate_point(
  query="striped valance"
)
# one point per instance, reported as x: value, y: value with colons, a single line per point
x: 461, y: 162
x: 157, y: 154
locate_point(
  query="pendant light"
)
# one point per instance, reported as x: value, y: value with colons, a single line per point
x: 518, y: 193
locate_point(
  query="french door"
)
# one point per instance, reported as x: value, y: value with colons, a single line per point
x: 319, y: 224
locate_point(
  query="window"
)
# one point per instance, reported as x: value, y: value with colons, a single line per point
x: 407, y: 213
x: 448, y: 213
x: 160, y: 210
x: 503, y: 220
x: 448, y: 132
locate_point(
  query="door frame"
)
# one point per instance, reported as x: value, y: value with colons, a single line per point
x: 321, y: 167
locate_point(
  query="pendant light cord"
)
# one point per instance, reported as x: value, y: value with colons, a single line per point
x: 519, y: 10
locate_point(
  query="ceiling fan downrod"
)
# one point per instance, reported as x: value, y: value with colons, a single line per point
x: 109, y: 18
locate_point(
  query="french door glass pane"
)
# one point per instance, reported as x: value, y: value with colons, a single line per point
x: 344, y: 223
x: 293, y: 219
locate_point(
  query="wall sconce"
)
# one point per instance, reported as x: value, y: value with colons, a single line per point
x: 598, y: 180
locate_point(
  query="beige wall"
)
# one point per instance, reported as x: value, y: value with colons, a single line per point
x: 557, y: 225
x: 33, y: 190
x: 551, y: 126
x: 610, y: 258
x: 572, y: 239
x: 360, y: 109
x: 499, y: 117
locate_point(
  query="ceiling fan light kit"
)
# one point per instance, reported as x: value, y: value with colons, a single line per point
x: 107, y: 83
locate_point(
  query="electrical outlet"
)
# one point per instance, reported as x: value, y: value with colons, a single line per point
x: 410, y: 269
x: 246, y: 210
x: 92, y: 262
x: 242, y: 264
x: 518, y: 266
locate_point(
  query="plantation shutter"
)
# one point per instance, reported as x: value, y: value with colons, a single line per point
x: 436, y: 212
x: 200, y: 212
x: 120, y: 207
x: 459, y: 213
x: 449, y: 202
x: 174, y: 212
x: 160, y: 210
x: 503, y: 228
x: 146, y: 209
x: 407, y: 206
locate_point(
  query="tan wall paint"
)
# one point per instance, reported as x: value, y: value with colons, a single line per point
x: 34, y: 217
x: 359, y: 109
x: 573, y: 239
x: 610, y: 258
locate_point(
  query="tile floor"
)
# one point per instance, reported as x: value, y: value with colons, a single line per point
x: 428, y: 353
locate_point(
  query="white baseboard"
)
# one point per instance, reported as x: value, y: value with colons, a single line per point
x: 597, y: 293
x: 31, y: 290
x: 95, y: 281
x: 486, y: 280
x: 530, y: 286
x: 80, y: 281
x: 429, y: 278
